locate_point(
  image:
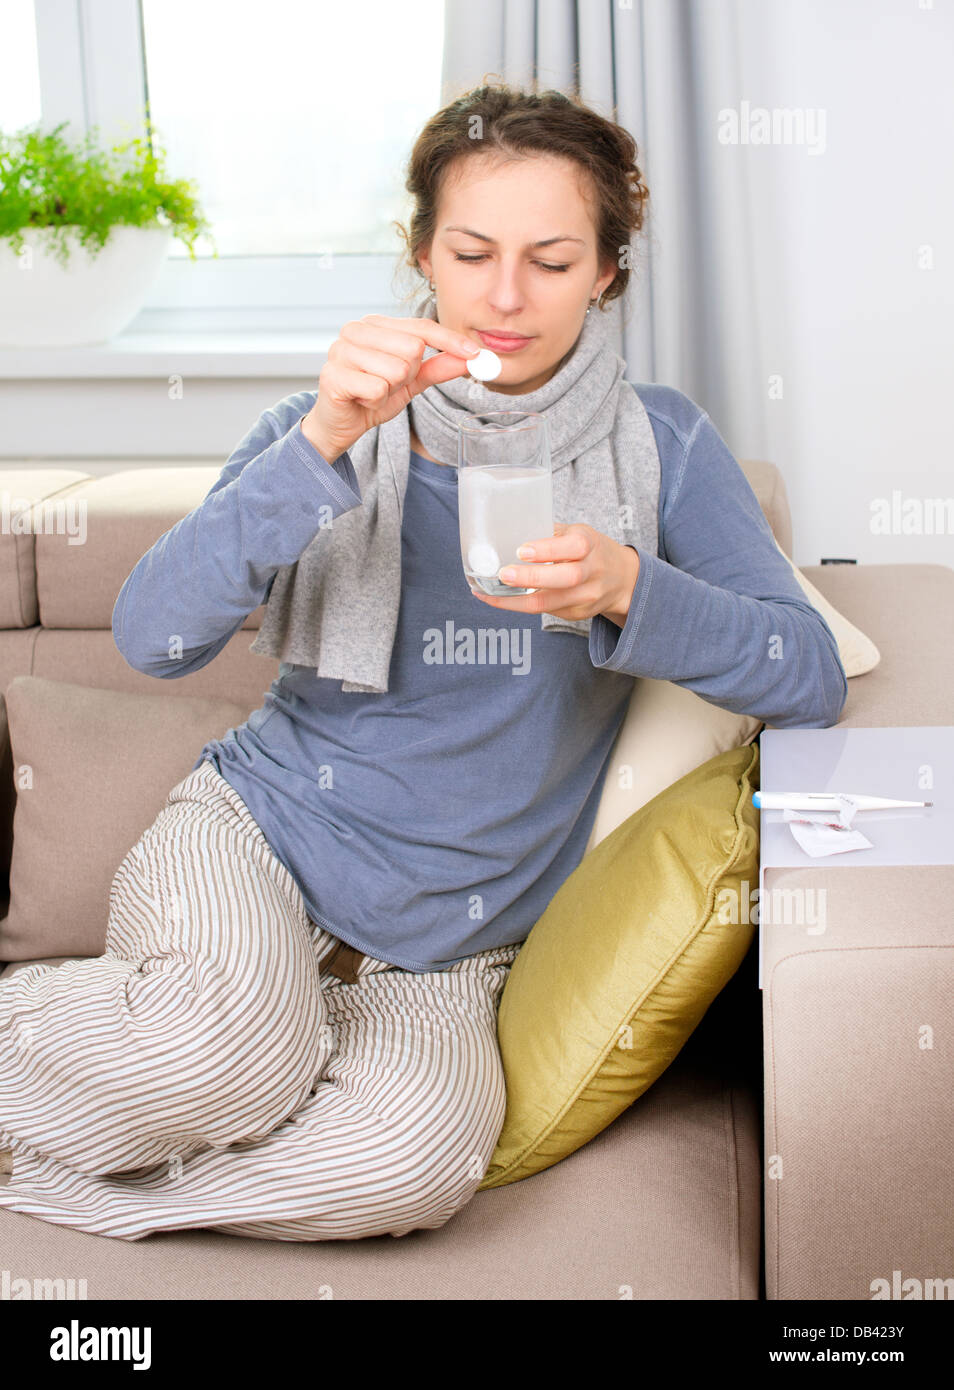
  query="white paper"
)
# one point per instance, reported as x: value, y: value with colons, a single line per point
x: 821, y: 839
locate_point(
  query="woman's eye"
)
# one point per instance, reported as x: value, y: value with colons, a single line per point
x: 472, y: 260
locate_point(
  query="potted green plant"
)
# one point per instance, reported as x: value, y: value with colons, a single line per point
x: 83, y: 234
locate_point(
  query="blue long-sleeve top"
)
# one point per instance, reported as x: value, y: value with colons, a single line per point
x: 439, y: 818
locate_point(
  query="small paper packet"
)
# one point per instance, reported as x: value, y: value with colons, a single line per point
x: 818, y: 837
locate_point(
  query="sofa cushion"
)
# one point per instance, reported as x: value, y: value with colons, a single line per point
x: 92, y: 770
x: 125, y: 514
x: 20, y: 490
x: 93, y: 659
x: 667, y: 732
x: 627, y: 957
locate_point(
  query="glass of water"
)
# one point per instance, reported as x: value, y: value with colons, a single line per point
x: 505, y: 493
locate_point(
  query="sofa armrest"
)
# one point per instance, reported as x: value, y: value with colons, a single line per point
x: 858, y: 976
x: 859, y: 1107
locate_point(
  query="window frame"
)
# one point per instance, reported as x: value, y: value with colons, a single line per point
x: 93, y: 73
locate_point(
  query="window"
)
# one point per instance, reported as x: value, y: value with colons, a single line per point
x: 19, y: 67
x: 294, y: 119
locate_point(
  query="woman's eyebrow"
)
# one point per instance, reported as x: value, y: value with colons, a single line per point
x: 531, y: 246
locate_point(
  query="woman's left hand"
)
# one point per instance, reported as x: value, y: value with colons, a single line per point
x: 591, y: 573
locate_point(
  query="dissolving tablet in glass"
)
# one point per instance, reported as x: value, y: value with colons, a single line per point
x: 483, y: 559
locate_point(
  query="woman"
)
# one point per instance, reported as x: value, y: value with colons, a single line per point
x: 292, y: 1032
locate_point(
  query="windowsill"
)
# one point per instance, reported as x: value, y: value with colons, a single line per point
x: 247, y: 353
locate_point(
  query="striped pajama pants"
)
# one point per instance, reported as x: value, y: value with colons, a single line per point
x: 205, y: 1071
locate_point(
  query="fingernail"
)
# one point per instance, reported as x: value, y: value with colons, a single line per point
x: 508, y: 575
x: 526, y: 552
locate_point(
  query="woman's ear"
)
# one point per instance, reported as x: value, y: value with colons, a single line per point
x: 606, y: 279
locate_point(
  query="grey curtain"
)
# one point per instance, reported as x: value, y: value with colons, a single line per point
x: 662, y: 69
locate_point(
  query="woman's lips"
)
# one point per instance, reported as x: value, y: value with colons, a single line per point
x: 502, y: 344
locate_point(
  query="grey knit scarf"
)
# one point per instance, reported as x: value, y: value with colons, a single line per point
x: 336, y: 608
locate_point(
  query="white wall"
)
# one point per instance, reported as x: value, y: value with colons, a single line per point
x: 863, y: 338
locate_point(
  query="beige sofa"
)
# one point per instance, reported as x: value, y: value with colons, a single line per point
x: 667, y: 1202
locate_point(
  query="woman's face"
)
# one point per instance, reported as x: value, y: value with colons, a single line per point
x: 491, y: 273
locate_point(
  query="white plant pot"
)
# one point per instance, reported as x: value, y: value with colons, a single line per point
x: 87, y: 301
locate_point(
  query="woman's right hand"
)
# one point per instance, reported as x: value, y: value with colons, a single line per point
x: 373, y: 369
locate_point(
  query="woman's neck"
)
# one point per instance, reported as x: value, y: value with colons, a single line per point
x: 418, y: 448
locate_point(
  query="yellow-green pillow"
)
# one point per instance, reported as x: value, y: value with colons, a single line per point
x: 625, y: 961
